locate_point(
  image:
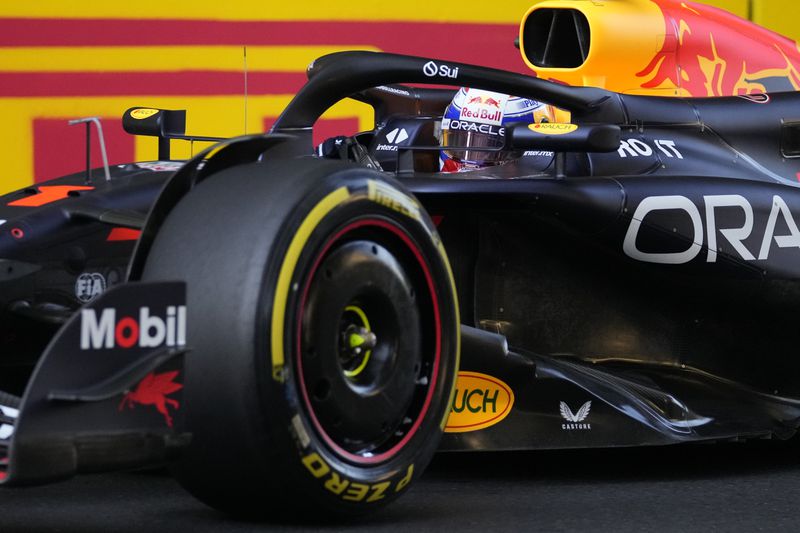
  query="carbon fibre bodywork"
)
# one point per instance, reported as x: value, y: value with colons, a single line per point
x: 644, y: 294
x: 48, y: 243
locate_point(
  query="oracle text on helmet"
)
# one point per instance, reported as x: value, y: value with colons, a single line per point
x: 463, y: 125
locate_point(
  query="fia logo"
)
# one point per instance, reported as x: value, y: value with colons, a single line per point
x: 89, y: 286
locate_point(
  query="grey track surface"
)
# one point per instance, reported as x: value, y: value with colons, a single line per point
x: 722, y: 487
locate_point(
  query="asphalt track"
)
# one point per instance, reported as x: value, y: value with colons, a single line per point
x: 722, y: 487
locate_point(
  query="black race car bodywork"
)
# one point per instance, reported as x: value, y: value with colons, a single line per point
x: 631, y: 280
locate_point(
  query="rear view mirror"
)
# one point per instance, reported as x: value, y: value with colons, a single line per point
x: 563, y: 137
x: 154, y: 122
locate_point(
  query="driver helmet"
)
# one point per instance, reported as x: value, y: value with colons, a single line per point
x: 476, y: 118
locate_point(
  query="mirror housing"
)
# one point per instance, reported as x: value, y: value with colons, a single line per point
x: 563, y: 137
x: 161, y: 123
x: 154, y: 122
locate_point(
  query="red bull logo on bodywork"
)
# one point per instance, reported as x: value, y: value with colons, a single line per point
x: 710, y: 52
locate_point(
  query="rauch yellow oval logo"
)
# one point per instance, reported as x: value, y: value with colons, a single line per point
x: 480, y: 401
x: 553, y: 128
x: 142, y: 113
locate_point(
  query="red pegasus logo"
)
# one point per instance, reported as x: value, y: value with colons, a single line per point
x: 153, y: 390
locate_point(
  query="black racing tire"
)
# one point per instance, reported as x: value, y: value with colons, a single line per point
x: 324, y: 336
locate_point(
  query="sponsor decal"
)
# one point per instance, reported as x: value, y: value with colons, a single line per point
x: 397, y: 135
x: 486, y: 116
x: 107, y: 332
x: 489, y: 102
x: 755, y: 98
x: 124, y: 234
x: 480, y: 401
x: 483, y: 106
x: 394, y: 137
x: 160, y: 166
x: 575, y: 421
x: 350, y: 490
x: 48, y: 194
x: 431, y: 69
x: 636, y: 148
x: 388, y: 196
x: 143, y: 113
x: 7, y: 430
x: 153, y: 390
x: 89, y: 286
x: 707, y: 232
x: 463, y: 125
x: 537, y: 153
x: 393, y: 90
x: 553, y: 128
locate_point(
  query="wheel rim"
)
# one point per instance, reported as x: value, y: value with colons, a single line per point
x: 367, y: 376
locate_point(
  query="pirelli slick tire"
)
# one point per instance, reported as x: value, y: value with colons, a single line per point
x: 324, y: 331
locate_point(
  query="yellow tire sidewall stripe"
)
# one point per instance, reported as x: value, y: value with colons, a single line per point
x: 315, y: 216
x: 452, y: 281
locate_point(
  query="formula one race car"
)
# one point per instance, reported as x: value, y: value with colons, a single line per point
x: 285, y: 328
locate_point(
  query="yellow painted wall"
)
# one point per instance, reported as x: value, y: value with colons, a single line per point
x: 782, y: 16
x: 420, y: 10
x: 737, y: 7
x: 208, y: 114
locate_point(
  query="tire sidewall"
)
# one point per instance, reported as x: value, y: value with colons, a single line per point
x: 316, y: 468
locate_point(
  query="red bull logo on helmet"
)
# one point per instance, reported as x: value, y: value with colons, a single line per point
x: 487, y: 101
x: 484, y: 107
x: 710, y: 52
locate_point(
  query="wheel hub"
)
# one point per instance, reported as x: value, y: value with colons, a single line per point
x: 361, y: 345
x: 357, y: 342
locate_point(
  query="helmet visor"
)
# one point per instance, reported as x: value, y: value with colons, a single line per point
x: 483, y: 148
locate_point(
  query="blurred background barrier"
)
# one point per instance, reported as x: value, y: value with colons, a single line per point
x: 62, y: 60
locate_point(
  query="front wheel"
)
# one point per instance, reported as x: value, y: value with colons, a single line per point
x: 325, y: 336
